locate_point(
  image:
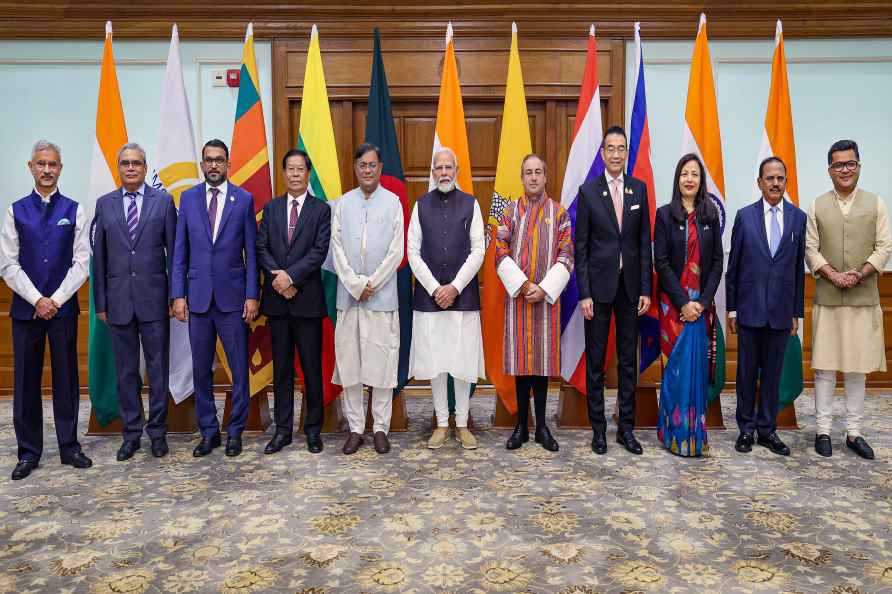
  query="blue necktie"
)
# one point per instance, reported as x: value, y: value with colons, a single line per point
x: 774, y: 239
x: 132, y: 216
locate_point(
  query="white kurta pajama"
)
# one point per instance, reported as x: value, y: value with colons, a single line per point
x: 846, y: 338
x: 367, y: 333
x: 447, y: 342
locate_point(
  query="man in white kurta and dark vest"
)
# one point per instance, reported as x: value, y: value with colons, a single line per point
x: 534, y: 258
x: 847, y: 246
x: 445, y: 246
x: 366, y: 249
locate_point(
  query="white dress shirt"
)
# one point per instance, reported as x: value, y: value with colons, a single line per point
x: 766, y: 207
x: 140, y: 195
x: 300, y: 205
x: 20, y: 282
x: 221, y: 203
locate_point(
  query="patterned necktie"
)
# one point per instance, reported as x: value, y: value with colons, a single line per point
x: 774, y: 239
x: 617, y: 202
x: 292, y: 220
x: 132, y: 216
x: 212, y: 209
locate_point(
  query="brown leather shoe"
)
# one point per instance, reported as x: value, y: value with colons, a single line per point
x: 382, y: 445
x: 354, y: 440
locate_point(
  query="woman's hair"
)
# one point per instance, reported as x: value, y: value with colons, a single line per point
x: 703, y: 206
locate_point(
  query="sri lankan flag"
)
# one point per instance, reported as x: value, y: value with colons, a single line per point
x: 250, y: 170
x: 316, y: 136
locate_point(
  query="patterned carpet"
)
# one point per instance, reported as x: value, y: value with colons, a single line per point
x: 421, y: 521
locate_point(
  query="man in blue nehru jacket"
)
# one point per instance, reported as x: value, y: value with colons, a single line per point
x: 214, y: 286
x: 44, y: 258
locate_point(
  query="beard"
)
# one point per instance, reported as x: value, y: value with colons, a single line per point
x: 446, y: 186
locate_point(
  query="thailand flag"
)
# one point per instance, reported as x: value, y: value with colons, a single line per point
x: 640, y: 167
x: 584, y: 164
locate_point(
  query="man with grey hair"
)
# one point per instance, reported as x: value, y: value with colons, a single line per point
x: 44, y: 259
x: 445, y: 245
x: 135, y: 232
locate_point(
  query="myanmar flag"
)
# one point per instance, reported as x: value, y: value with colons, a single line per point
x: 316, y: 136
x: 380, y: 130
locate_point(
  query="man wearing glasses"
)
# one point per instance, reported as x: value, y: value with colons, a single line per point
x: 366, y: 249
x: 847, y: 246
x: 44, y: 259
x: 133, y: 243
x: 215, y: 288
x: 613, y: 274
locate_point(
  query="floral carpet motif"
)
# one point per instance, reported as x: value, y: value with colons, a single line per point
x: 423, y: 521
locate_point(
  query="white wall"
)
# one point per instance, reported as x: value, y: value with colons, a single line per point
x: 50, y: 91
x: 839, y: 89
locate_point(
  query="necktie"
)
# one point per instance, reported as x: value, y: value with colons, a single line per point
x: 132, y: 216
x: 774, y: 239
x: 617, y: 202
x: 292, y: 220
x: 212, y: 210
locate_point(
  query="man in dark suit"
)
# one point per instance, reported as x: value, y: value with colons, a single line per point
x: 613, y: 273
x: 215, y: 288
x: 765, y: 288
x: 292, y: 244
x: 132, y: 255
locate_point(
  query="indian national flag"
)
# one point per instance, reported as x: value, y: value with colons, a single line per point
x: 777, y: 140
x: 176, y: 169
x: 702, y: 137
x: 316, y: 136
x: 111, y: 135
x: 514, y: 145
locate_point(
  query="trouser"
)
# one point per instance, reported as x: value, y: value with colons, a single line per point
x: 155, y: 339
x: 354, y: 408
x: 825, y: 386
x: 29, y: 343
x: 288, y: 332
x: 440, y: 390
x: 539, y: 386
x: 760, y: 356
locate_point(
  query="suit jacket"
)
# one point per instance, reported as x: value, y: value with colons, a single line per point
x: 766, y: 290
x: 599, y: 242
x: 302, y: 258
x: 224, y: 270
x: 670, y: 252
x: 130, y: 278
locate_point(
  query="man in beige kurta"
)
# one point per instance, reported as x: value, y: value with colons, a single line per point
x: 847, y: 245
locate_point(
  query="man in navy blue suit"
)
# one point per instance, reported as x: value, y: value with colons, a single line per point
x: 765, y: 289
x: 132, y: 254
x: 214, y: 287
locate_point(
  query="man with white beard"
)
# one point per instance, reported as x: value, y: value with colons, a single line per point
x: 445, y: 246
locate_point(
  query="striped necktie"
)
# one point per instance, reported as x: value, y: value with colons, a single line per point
x: 132, y: 216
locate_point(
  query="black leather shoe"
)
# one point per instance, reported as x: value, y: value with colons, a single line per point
x: 24, y: 468
x: 127, y: 449
x: 233, y: 445
x: 206, y: 446
x: 744, y: 443
x: 599, y: 442
x: 860, y: 447
x: 627, y: 439
x: 159, y: 447
x: 279, y: 441
x: 77, y: 459
x: 314, y: 444
x: 520, y: 436
x: 823, y: 445
x: 543, y: 437
x: 774, y: 443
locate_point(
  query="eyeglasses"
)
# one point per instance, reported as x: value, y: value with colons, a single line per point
x: 842, y: 165
x: 363, y: 166
x: 128, y: 164
x: 619, y: 150
x: 219, y: 161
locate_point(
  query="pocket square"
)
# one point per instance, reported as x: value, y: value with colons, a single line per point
x: 62, y: 222
x: 635, y: 207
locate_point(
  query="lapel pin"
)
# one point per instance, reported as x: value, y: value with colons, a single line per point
x: 604, y: 193
x: 628, y: 190
x: 232, y: 198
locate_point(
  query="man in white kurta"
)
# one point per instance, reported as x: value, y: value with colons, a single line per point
x: 366, y: 249
x: 847, y: 246
x: 445, y: 246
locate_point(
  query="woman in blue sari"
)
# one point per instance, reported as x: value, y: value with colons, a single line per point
x: 688, y: 259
